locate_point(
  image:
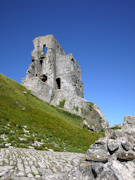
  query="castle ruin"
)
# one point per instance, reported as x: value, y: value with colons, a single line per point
x: 52, y: 69
x: 54, y: 77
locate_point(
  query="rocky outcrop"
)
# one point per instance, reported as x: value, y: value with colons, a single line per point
x: 55, y: 78
x: 109, y: 158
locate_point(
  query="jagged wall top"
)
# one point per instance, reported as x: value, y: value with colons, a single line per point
x: 48, y: 41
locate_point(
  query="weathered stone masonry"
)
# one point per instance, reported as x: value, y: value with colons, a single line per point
x: 54, y: 76
x: 52, y: 69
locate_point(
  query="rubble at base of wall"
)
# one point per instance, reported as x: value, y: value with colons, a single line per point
x: 109, y: 158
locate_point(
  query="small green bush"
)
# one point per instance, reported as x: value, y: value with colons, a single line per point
x: 1, y: 141
x: 85, y: 126
x: 17, y: 134
x: 76, y: 108
x: 30, y: 140
x: 116, y: 127
x: 11, y: 138
x: 85, y: 112
x: 2, y: 131
x: 6, y: 119
x: 82, y: 110
x: 91, y: 106
x: 61, y: 103
x: 100, y: 120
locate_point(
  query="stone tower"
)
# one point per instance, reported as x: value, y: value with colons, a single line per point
x: 52, y: 69
x: 55, y: 78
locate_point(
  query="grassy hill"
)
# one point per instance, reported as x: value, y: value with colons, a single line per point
x: 26, y: 121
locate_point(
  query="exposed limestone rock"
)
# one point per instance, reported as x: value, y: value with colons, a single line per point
x: 109, y: 158
x: 99, y: 155
x: 125, y: 156
x: 86, y: 125
x: 112, y: 145
x: 126, y: 145
x: 55, y: 77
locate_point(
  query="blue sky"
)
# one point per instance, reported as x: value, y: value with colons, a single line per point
x: 99, y: 33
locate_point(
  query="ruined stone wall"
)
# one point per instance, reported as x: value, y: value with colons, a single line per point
x: 69, y: 73
x: 54, y: 68
x: 54, y: 76
x: 46, y: 60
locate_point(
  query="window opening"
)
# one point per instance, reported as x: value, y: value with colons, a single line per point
x: 58, y: 83
x: 41, y: 62
x: 43, y: 78
x: 44, y: 48
x: 72, y: 60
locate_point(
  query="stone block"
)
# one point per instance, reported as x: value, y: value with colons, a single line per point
x: 97, y: 155
x: 112, y: 145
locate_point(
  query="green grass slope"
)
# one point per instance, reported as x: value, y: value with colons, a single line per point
x: 25, y: 119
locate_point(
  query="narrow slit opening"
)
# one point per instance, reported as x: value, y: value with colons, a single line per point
x: 58, y: 83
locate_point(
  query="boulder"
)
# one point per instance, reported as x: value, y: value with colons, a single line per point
x: 112, y: 145
x: 126, y: 145
x: 99, y: 155
x: 125, y: 156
